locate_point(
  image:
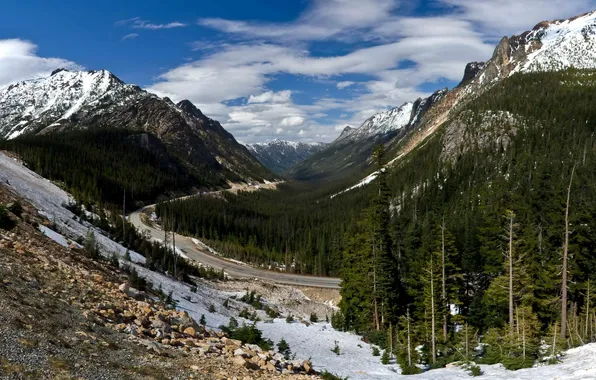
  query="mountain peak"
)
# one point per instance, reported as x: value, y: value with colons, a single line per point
x: 279, y: 155
x: 187, y: 106
x: 57, y: 71
x: 472, y: 70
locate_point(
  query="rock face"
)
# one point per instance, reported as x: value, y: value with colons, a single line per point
x: 80, y: 100
x: 471, y: 71
x: 549, y: 46
x: 490, y: 129
x: 279, y: 155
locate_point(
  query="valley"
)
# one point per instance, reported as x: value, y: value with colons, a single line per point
x: 386, y: 218
x: 193, y: 249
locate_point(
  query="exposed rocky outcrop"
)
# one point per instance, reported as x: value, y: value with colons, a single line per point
x: 471, y: 131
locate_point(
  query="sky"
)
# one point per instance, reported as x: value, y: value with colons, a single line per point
x: 268, y: 69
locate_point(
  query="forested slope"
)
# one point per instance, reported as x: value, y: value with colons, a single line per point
x: 491, y: 188
x: 98, y: 165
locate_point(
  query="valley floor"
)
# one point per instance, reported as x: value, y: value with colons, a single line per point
x: 306, y: 340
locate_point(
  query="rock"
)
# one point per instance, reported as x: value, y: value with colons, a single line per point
x: 98, y: 278
x: 239, y: 361
x: 124, y: 287
x: 254, y: 347
x: 240, y: 352
x: 307, y: 365
x: 190, y: 331
x: 161, y: 326
x: 233, y: 342
x: 270, y: 367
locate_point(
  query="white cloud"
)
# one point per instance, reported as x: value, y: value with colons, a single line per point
x: 344, y: 84
x: 271, y: 97
x: 19, y: 61
x: 138, y: 23
x: 504, y: 17
x: 292, y: 121
x: 395, y: 53
x: 130, y: 36
x: 322, y: 20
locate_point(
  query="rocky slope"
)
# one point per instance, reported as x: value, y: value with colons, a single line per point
x: 81, y: 100
x: 549, y: 46
x: 279, y: 155
x: 350, y: 152
x: 65, y: 315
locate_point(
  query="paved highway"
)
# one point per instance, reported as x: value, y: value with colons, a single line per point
x: 198, y: 253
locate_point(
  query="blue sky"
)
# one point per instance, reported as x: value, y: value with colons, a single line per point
x: 296, y: 69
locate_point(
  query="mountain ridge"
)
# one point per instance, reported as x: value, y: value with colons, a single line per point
x: 72, y: 100
x: 279, y: 155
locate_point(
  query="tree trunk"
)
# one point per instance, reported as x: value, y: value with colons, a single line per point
x: 124, y: 218
x: 432, y: 311
x: 409, y: 340
x: 511, y: 321
x: 565, y: 253
x: 174, y: 246
x: 443, y: 281
x: 467, y: 343
x: 554, y: 341
x: 375, y: 311
x: 523, y: 335
x: 587, y: 313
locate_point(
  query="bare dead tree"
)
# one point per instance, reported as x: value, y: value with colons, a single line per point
x: 443, y: 281
x: 565, y: 255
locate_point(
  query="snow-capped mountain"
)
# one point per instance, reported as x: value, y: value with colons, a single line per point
x: 384, y: 122
x: 86, y: 99
x: 549, y: 46
x: 279, y: 155
x: 351, y: 151
x: 30, y: 106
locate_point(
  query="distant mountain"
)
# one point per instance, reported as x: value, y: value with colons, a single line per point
x: 279, y: 155
x: 67, y: 101
x: 350, y: 153
x: 551, y: 46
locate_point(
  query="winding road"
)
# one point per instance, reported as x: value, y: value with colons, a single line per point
x: 196, y: 252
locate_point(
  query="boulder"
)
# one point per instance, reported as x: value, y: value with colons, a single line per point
x: 307, y: 365
x: 233, y: 342
x: 190, y: 331
x: 240, y: 352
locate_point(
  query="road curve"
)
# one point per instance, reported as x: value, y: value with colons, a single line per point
x: 197, y: 253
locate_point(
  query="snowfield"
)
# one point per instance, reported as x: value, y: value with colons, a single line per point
x: 313, y: 341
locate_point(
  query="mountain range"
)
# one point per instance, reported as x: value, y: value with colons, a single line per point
x: 82, y: 100
x: 349, y: 154
x: 280, y: 155
x: 549, y: 46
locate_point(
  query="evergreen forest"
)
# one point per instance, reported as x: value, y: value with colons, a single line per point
x: 493, y: 243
